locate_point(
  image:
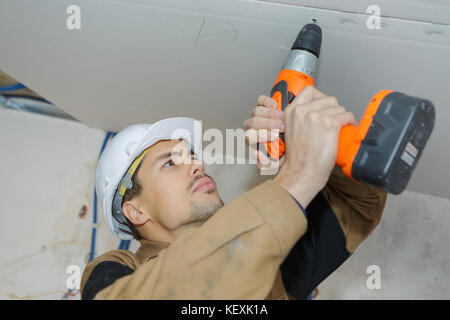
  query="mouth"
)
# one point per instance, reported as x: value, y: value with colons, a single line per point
x: 204, y: 184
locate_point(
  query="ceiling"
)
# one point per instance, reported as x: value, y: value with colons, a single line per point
x: 137, y: 61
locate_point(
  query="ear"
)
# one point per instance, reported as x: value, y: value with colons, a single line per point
x: 136, y: 216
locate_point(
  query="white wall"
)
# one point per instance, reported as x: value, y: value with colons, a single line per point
x: 47, y: 168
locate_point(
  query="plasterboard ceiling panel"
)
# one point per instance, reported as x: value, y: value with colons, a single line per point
x: 434, y: 11
x: 142, y: 60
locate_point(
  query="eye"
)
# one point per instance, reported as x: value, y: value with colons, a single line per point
x: 168, y: 162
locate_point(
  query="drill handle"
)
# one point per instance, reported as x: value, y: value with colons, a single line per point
x: 287, y: 86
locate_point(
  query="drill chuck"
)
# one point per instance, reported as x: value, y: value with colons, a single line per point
x: 309, y: 39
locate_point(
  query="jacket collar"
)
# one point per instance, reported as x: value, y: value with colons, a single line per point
x: 149, y: 249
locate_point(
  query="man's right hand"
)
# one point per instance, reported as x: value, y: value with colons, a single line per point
x: 312, y: 122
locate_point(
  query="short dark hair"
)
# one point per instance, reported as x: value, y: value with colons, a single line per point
x: 130, y: 194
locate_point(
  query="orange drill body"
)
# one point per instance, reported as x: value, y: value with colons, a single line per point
x: 350, y: 136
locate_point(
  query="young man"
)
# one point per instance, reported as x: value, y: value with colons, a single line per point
x: 262, y: 245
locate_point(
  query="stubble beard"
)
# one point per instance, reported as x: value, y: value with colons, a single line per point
x: 201, y: 212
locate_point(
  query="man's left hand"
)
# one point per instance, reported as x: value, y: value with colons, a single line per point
x: 265, y: 123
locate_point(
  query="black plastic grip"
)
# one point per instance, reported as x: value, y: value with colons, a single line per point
x: 286, y: 97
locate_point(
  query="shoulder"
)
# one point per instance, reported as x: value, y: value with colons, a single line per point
x: 105, y: 269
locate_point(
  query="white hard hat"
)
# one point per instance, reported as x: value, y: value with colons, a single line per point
x: 120, y: 153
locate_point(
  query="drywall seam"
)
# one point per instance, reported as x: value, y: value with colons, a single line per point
x: 349, y: 11
x: 354, y: 12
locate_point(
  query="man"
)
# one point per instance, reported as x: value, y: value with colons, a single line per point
x: 262, y: 245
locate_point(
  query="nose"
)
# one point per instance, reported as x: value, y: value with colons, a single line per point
x: 196, y: 167
x: 183, y: 155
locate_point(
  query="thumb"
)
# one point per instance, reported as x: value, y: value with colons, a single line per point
x: 308, y: 94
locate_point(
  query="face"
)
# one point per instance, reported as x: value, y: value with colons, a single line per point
x: 176, y: 190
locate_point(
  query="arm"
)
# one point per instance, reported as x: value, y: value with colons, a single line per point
x: 358, y: 208
x: 340, y: 217
x: 235, y: 254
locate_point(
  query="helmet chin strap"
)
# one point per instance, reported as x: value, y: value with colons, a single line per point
x: 125, y: 184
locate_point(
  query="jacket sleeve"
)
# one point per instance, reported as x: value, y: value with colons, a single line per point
x: 340, y: 217
x: 235, y: 254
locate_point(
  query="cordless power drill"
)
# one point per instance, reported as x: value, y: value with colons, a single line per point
x: 384, y: 149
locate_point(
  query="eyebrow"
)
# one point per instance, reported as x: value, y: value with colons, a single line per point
x: 167, y: 155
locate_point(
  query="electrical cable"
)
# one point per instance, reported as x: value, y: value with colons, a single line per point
x: 127, y: 244
x: 13, y: 87
x: 94, y: 225
x: 24, y: 96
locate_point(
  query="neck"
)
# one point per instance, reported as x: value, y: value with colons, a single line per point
x: 162, y: 234
x: 156, y: 234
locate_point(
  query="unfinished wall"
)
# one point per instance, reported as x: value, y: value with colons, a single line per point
x: 47, y: 167
x: 410, y: 246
